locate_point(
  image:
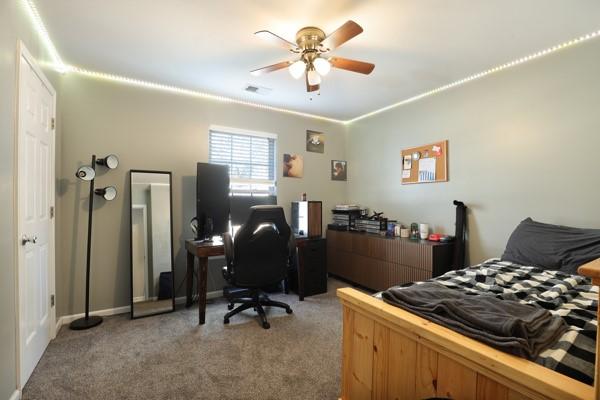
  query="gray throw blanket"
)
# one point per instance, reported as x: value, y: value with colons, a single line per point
x: 520, y: 329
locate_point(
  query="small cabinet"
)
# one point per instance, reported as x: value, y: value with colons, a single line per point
x: 379, y: 262
x: 311, y: 278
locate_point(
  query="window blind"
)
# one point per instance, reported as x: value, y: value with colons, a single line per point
x: 250, y: 158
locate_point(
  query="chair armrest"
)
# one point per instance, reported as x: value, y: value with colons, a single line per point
x: 591, y: 270
x: 228, y: 245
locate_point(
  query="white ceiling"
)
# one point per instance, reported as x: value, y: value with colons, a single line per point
x: 209, y: 46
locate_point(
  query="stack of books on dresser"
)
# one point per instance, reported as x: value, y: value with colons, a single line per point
x: 378, y: 226
x: 344, y: 216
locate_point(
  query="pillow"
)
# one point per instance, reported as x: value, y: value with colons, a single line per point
x: 552, y: 246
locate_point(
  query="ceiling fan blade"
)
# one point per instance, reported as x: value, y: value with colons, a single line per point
x: 270, y: 68
x: 277, y: 40
x: 309, y: 87
x: 340, y: 36
x: 352, y: 65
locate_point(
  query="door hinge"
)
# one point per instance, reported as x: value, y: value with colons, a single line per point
x: 51, y: 211
x: 51, y: 300
x: 53, y: 123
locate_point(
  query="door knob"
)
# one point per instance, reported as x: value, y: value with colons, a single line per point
x: 28, y: 239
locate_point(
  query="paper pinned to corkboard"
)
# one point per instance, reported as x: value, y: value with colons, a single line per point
x: 427, y: 169
x: 429, y: 163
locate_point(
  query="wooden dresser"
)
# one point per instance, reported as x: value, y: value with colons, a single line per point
x: 379, y: 262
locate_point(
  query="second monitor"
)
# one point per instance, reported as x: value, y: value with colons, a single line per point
x: 212, y: 200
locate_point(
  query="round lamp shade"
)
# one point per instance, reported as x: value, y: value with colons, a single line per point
x: 297, y: 69
x: 313, y: 78
x: 85, y: 173
x: 108, y: 193
x: 322, y: 66
x: 111, y: 161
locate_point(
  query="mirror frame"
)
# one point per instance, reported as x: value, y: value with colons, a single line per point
x: 169, y: 173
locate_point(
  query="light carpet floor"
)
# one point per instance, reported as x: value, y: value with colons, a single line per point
x: 170, y: 357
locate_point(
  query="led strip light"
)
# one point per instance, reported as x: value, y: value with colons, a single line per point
x: 193, y: 93
x: 60, y: 66
x: 32, y: 10
x: 502, y: 67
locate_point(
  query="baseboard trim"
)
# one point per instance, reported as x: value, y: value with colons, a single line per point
x: 66, y: 319
x: 16, y: 395
x: 209, y: 296
x: 215, y: 294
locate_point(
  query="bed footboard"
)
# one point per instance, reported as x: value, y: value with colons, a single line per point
x: 389, y: 353
x: 592, y: 271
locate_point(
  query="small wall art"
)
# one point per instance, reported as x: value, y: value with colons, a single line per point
x: 339, y: 170
x: 293, y: 166
x: 315, y: 141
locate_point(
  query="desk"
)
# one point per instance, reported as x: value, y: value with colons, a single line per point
x: 201, y: 250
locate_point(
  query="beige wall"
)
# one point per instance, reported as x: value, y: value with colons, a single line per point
x: 149, y: 129
x: 14, y: 26
x: 523, y: 142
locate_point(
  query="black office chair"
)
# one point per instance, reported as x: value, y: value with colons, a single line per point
x: 259, y: 257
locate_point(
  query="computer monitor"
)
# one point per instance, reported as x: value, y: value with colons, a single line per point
x: 212, y: 200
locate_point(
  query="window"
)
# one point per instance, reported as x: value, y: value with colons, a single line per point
x: 250, y: 157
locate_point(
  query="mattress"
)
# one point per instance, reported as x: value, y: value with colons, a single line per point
x: 572, y: 297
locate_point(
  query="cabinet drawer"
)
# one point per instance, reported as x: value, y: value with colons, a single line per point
x: 380, y: 262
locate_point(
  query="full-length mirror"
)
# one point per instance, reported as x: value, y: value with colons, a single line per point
x: 152, y: 280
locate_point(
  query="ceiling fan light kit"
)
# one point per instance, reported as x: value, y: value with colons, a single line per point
x: 297, y: 69
x: 313, y: 45
x: 313, y: 77
x: 322, y: 65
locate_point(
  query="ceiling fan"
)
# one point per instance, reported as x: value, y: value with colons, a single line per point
x: 312, y: 46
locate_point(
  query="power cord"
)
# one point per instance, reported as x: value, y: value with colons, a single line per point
x: 194, y: 296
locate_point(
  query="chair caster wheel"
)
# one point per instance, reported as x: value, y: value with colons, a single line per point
x: 266, y: 325
x: 288, y: 311
x: 230, y: 306
x: 226, y: 320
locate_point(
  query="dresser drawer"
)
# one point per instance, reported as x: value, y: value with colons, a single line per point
x: 378, y: 262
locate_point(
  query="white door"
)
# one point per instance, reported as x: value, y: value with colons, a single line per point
x: 35, y: 219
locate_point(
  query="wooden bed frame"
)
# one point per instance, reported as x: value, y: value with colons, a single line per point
x: 389, y: 353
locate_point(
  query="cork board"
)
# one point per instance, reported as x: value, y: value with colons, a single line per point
x: 431, y: 165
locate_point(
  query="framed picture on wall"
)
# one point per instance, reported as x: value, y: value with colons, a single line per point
x: 293, y: 166
x: 339, y: 170
x: 315, y: 142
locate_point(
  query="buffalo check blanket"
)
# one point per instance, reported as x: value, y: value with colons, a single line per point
x: 572, y: 297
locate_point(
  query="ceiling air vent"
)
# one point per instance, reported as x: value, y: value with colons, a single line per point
x: 257, y: 89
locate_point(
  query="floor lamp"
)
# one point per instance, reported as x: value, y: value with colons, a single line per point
x: 88, y: 174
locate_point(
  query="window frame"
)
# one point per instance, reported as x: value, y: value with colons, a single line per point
x: 247, y: 132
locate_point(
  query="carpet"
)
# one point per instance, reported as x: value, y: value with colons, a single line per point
x: 170, y: 357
